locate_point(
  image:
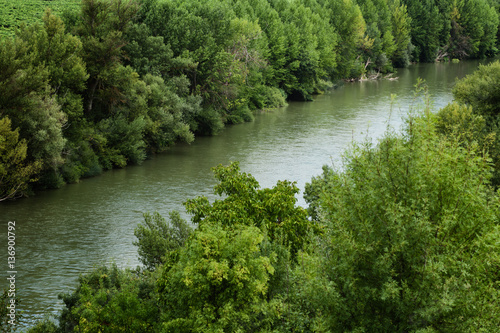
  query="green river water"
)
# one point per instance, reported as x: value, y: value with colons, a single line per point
x: 62, y: 233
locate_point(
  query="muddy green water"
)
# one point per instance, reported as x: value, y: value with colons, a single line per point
x: 62, y: 233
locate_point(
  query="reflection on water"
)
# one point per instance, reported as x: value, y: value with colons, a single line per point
x: 65, y: 232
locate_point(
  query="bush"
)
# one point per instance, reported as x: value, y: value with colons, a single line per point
x: 240, y: 115
x: 407, y: 222
x: 111, y: 300
x: 157, y: 238
x: 481, y: 90
x: 209, y: 121
x: 5, y: 326
x: 44, y: 326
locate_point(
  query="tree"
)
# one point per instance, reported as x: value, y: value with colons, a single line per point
x: 219, y: 283
x: 60, y: 53
x: 15, y: 172
x: 379, y: 32
x: 481, y: 90
x: 348, y: 22
x: 480, y: 24
x: 409, y: 223
x: 129, y: 115
x: 101, y: 26
x: 311, y: 55
x: 49, y: 48
x: 44, y: 326
x: 266, y: 78
x: 272, y: 210
x: 275, y: 34
x: 427, y: 28
x: 169, y: 117
x: 109, y: 299
x: 401, y: 29
x: 157, y: 238
x: 221, y: 280
x: 147, y: 54
x: 459, y: 45
x: 201, y: 31
x: 26, y: 98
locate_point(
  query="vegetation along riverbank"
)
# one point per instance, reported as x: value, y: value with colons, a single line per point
x: 104, y: 84
x: 403, y: 237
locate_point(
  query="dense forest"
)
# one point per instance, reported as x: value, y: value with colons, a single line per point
x: 110, y: 82
x: 402, y: 237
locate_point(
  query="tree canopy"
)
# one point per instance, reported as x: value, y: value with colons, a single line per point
x: 110, y: 82
x: 409, y: 224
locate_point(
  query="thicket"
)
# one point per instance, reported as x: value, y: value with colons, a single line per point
x: 402, y: 236
x: 412, y: 232
x: 111, y: 82
x: 453, y: 28
x: 480, y: 91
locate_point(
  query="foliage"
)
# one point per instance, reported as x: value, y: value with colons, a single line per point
x: 25, y: 86
x: 401, y: 29
x: 407, y: 223
x: 380, y: 45
x: 217, y: 277
x: 50, y: 48
x: 221, y: 279
x: 219, y: 283
x: 147, y: 53
x: 229, y: 275
x: 272, y: 210
x: 127, y: 116
x: 169, y: 114
x: 100, y: 26
x: 427, y: 27
x: 348, y: 22
x: 46, y: 325
x: 460, y: 121
x: 5, y: 326
x: 198, y: 31
x: 108, y: 299
x: 123, y: 79
x: 480, y: 23
x: 157, y: 238
x: 311, y: 42
x: 15, y: 173
x: 453, y: 28
x: 60, y: 53
x: 481, y: 90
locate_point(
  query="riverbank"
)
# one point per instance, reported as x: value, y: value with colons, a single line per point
x: 63, y: 233
x: 106, y: 94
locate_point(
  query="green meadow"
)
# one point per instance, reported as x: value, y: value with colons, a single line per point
x: 14, y: 12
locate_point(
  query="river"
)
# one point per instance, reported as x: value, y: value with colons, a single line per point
x: 62, y: 233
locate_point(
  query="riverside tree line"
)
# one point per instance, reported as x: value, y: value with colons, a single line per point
x: 108, y: 83
x: 403, y: 236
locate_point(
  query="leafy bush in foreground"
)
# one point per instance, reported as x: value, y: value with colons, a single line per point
x: 411, y: 240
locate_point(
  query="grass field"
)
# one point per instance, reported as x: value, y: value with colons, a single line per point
x: 14, y: 12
